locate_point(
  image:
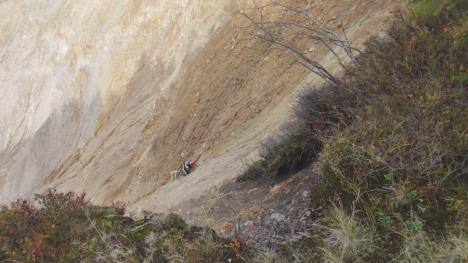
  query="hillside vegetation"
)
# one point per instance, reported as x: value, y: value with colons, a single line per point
x: 57, y: 227
x: 391, y: 141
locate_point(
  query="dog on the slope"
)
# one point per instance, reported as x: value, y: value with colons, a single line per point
x: 175, y: 174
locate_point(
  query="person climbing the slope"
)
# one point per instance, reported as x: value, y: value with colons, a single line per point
x: 188, y: 166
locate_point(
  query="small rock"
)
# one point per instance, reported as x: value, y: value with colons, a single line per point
x: 277, y: 216
x: 305, y: 194
x: 308, y: 213
x: 296, y: 238
x: 248, y: 223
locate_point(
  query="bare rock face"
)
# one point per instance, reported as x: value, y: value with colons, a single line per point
x: 108, y: 97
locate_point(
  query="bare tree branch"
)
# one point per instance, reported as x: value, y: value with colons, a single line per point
x: 294, y: 26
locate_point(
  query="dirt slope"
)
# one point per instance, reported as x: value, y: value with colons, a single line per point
x: 217, y: 101
x: 72, y: 72
x: 242, y: 95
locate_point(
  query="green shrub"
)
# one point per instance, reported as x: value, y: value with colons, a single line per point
x: 438, y: 13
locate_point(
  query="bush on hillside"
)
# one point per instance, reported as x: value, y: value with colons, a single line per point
x: 284, y: 154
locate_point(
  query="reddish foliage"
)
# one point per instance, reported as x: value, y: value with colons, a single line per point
x: 40, y: 232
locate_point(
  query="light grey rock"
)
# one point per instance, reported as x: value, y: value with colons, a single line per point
x: 248, y: 223
x: 277, y: 217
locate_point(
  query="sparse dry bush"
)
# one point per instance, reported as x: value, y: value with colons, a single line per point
x: 282, y: 155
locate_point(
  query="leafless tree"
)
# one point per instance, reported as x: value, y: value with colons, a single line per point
x: 294, y: 28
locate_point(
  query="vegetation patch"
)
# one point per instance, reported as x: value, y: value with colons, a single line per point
x: 394, y: 146
x: 57, y: 227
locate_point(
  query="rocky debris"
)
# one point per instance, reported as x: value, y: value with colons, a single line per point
x: 277, y: 217
x: 288, y: 222
x: 286, y: 214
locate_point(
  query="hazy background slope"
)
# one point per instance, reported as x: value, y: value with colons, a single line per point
x: 107, y: 97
